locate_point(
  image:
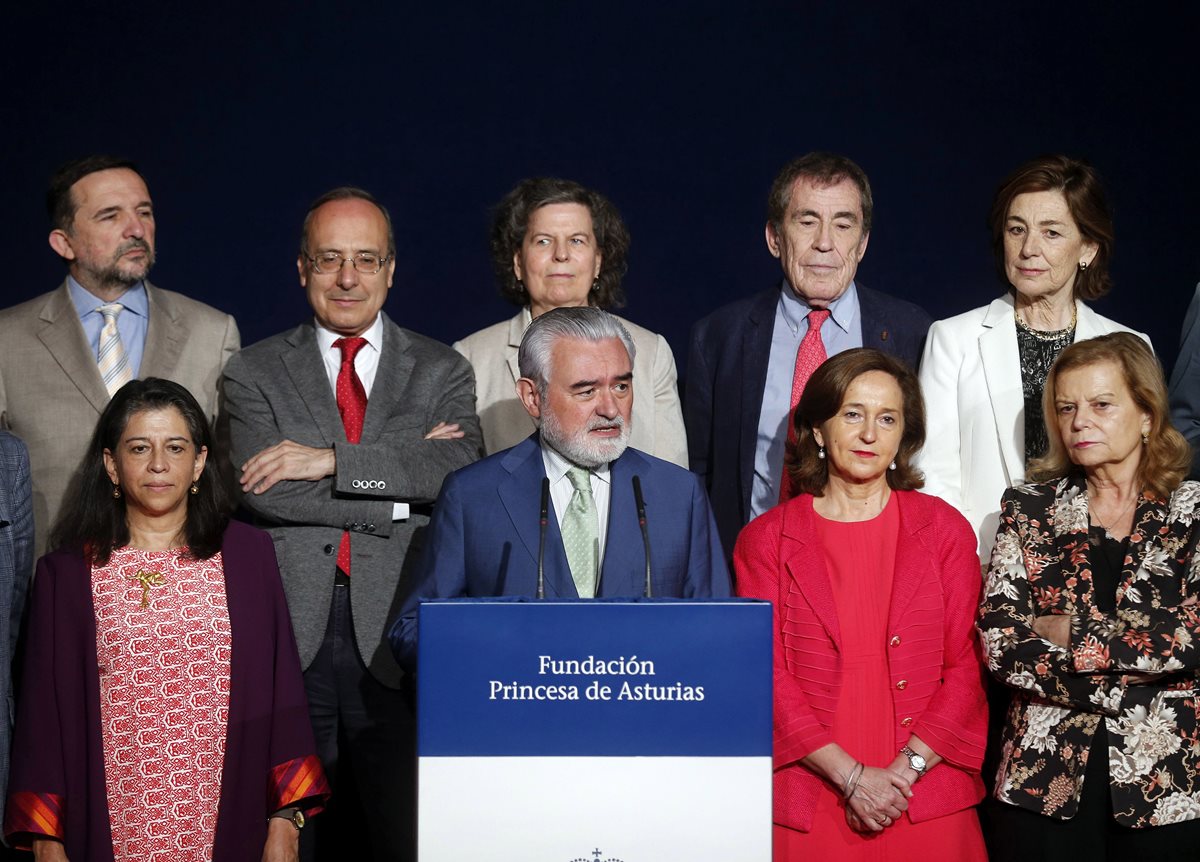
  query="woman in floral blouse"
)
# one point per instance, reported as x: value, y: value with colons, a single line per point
x: 1090, y: 616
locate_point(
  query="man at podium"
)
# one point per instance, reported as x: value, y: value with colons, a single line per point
x: 572, y: 511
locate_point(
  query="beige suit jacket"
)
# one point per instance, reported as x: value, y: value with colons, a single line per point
x: 975, y: 409
x: 51, y: 394
x: 657, y: 417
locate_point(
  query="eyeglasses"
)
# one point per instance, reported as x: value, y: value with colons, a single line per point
x: 329, y: 262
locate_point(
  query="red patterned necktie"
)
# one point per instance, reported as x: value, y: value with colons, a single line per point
x: 808, y: 358
x: 352, y: 404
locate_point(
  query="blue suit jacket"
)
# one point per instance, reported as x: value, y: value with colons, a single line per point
x: 16, y: 569
x: 483, y: 537
x: 726, y: 377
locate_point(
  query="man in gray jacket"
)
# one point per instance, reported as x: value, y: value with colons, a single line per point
x: 343, y: 430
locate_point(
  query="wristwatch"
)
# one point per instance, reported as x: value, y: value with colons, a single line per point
x: 293, y: 816
x: 915, y: 762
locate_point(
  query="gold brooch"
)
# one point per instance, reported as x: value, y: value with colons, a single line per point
x: 148, y: 580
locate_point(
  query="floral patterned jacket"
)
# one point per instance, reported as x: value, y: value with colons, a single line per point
x: 1040, y: 565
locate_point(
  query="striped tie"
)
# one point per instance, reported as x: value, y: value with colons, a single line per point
x: 112, y: 358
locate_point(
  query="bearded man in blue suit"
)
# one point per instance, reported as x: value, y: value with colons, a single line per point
x: 577, y: 383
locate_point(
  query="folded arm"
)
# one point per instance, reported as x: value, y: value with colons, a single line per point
x: 1016, y: 654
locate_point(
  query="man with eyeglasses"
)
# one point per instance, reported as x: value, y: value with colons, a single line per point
x: 343, y: 430
x: 65, y: 352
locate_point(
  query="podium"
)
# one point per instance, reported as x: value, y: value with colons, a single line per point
x: 594, y: 731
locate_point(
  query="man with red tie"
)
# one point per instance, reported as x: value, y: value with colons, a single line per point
x: 343, y: 430
x: 749, y: 360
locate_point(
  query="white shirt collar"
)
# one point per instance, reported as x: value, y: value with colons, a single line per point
x: 374, y: 335
x: 557, y: 466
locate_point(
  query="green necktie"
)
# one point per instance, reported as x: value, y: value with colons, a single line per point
x: 581, y: 533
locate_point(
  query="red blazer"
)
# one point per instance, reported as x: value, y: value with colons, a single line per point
x: 933, y: 656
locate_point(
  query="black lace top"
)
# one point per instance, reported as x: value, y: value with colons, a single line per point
x: 1037, y: 351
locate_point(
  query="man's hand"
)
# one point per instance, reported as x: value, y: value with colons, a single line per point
x: 445, y: 431
x: 286, y: 460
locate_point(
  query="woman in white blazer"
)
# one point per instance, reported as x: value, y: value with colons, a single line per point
x: 557, y: 244
x: 983, y: 371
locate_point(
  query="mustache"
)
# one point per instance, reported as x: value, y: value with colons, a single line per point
x: 606, y: 424
x: 136, y: 242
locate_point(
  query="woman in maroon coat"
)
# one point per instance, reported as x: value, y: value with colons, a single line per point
x: 161, y: 712
x: 879, y: 708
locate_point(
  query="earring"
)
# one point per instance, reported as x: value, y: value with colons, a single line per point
x: 892, y: 466
x: 1145, y: 439
x: 195, y: 488
x: 595, y: 285
x: 116, y: 491
x: 821, y: 452
x: 1083, y: 264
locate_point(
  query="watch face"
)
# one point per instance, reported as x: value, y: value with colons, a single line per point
x: 298, y: 819
x: 917, y: 761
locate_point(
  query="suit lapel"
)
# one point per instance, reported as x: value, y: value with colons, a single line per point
x: 307, y: 372
x: 1088, y: 323
x: 624, y: 567
x: 62, y: 335
x: 806, y: 564
x: 1149, y: 522
x: 516, y: 328
x: 875, y: 333
x: 1068, y: 524
x: 755, y: 356
x: 165, y: 336
x: 521, y: 495
x: 391, y: 381
x: 1002, y: 371
x: 912, y: 557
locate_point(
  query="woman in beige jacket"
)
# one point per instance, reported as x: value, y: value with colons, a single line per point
x: 557, y: 244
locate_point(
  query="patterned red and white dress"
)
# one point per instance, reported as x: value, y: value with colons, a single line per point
x: 164, y: 700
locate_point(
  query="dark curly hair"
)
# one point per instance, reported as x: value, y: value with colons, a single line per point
x: 822, y: 399
x: 511, y: 220
x: 95, y: 522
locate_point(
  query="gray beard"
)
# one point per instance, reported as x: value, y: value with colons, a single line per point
x: 113, y: 276
x: 581, y: 451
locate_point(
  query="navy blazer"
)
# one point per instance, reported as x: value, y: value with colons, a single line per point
x: 483, y: 537
x: 16, y: 570
x: 727, y: 375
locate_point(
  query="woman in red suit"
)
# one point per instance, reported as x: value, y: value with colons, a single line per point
x: 880, y: 714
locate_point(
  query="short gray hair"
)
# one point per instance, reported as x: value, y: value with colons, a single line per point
x: 585, y: 323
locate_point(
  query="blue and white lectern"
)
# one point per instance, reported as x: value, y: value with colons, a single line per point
x: 637, y: 731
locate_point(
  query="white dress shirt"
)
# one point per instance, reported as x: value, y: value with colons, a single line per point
x: 561, y: 492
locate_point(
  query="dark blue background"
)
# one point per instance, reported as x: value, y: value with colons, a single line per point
x: 680, y: 112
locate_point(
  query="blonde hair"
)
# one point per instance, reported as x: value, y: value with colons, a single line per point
x: 1166, y: 456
